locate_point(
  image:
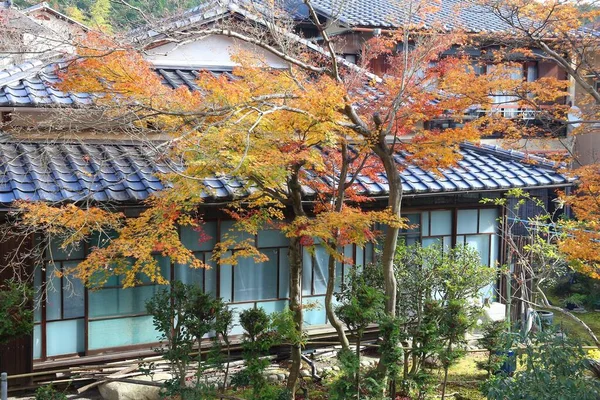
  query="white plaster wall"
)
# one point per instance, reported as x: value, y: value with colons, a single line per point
x: 212, y: 51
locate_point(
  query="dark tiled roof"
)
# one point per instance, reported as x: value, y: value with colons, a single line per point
x: 176, y: 77
x: 125, y: 172
x: 31, y: 84
x: 393, y: 13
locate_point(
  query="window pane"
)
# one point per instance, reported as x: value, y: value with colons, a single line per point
x: 494, y: 257
x: 348, y: 255
x: 430, y: 241
x: 272, y: 238
x: 441, y: 223
x: 65, y: 337
x: 254, y: 281
x: 482, y: 244
x: 369, y: 256
x: 306, y: 272
x: 229, y: 231
x: 315, y: 311
x: 188, y: 275
x: 226, y: 280
x: 202, y: 238
x: 164, y: 269
x: 273, y: 306
x: 53, y: 293
x: 337, y: 283
x: 210, y: 275
x: 237, y: 309
x: 360, y: 256
x: 73, y: 295
x: 101, y: 239
x: 414, y: 221
x: 284, y: 273
x: 121, y: 332
x: 320, y: 269
x: 117, y: 301
x: 37, y: 286
x: 412, y: 240
x: 447, y: 242
x: 467, y: 221
x: 425, y: 224
x: 37, y: 342
x: 55, y: 252
x: 488, y: 220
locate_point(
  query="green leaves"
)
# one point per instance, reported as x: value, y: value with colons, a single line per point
x: 183, y: 315
x: 16, y: 316
x: 554, y: 368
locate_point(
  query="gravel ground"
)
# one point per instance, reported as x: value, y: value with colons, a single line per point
x: 89, y: 395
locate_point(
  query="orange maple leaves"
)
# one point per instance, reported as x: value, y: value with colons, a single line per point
x: 581, y: 242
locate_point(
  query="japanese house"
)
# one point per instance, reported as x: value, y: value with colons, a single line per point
x: 74, y: 324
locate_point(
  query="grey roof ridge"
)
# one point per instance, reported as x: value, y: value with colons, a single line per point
x: 511, y: 154
x: 195, y: 67
x: 480, y: 148
x: 8, y: 138
x: 143, y: 32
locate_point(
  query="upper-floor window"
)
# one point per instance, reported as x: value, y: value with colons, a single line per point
x: 353, y: 58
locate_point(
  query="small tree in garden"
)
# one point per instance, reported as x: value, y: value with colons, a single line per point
x: 222, y: 328
x: 361, y: 305
x: 454, y: 324
x: 183, y: 315
x: 390, y: 350
x: 496, y: 342
x: 437, y: 299
x: 259, y: 337
x: 16, y: 316
x: 167, y: 308
x: 553, y: 368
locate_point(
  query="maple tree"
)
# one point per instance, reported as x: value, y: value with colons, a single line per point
x: 278, y: 132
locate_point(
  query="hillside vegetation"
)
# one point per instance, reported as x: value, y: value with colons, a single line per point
x: 114, y: 15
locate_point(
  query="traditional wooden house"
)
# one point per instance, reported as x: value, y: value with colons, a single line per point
x: 351, y: 24
x: 42, y: 161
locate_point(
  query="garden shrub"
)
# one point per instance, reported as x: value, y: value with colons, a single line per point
x: 497, y: 342
x: 361, y: 304
x: 259, y: 338
x: 48, y: 392
x: 183, y: 315
x: 16, y: 318
x: 553, y: 368
x: 436, y: 291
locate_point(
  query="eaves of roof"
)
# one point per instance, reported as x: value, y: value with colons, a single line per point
x: 31, y: 84
x: 126, y: 172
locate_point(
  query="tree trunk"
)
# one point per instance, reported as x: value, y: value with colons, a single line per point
x: 295, y: 254
x: 333, y: 320
x: 296, y: 308
x: 391, y: 237
x: 446, y: 367
x: 357, y: 377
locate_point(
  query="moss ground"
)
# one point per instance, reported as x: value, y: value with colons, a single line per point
x: 573, y: 328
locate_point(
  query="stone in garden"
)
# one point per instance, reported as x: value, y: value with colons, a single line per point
x: 132, y: 391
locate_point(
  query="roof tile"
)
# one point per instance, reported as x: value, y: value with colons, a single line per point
x: 120, y: 172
